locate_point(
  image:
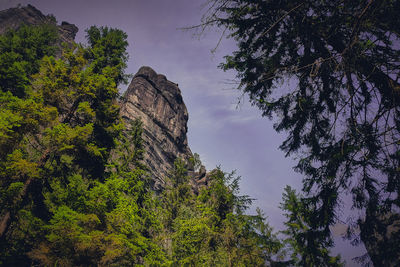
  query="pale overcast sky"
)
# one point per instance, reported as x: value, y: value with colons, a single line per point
x: 221, y: 131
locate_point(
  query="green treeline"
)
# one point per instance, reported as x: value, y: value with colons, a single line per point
x: 74, y: 190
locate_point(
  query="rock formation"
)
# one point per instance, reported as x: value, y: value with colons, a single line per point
x: 159, y: 104
x: 13, y: 18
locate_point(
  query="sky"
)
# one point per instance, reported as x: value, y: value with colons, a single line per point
x: 223, y: 128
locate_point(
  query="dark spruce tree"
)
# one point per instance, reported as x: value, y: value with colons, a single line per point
x: 328, y: 72
x: 304, y: 244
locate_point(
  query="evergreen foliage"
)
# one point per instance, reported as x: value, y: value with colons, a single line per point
x: 20, y: 55
x: 108, y: 48
x: 56, y: 139
x: 211, y: 229
x: 74, y: 187
x: 307, y: 246
x: 328, y: 71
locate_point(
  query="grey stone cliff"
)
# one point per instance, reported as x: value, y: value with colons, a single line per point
x: 159, y: 104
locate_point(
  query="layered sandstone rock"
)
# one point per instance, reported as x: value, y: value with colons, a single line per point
x: 159, y: 104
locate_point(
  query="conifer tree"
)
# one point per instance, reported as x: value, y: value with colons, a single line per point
x: 307, y: 246
x: 62, y: 129
x: 329, y: 72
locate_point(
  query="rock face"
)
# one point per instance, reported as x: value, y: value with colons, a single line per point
x: 159, y: 104
x: 13, y: 18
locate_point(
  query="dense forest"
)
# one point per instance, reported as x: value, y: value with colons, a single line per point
x: 75, y: 189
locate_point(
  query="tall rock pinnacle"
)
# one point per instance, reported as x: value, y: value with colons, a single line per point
x: 159, y: 104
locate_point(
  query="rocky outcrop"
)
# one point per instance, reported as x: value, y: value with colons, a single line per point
x: 200, y: 178
x: 67, y: 32
x: 159, y: 104
x: 13, y: 18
